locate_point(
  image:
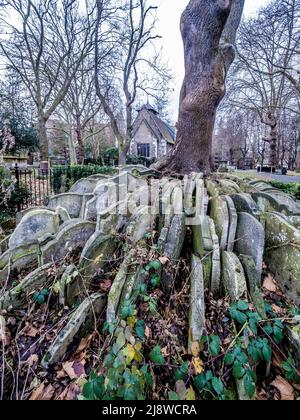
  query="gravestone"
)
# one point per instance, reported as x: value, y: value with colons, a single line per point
x: 250, y: 238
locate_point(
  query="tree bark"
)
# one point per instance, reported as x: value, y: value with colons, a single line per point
x: 272, y: 140
x: 208, y: 29
x: 43, y: 138
x: 79, y: 140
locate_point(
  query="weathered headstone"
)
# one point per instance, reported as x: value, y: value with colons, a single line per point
x: 233, y: 276
x: 98, y: 250
x: 253, y: 277
x: 72, y: 202
x: 250, y: 238
x: 197, y: 304
x: 35, y: 225
x: 233, y: 218
x: 244, y: 203
x: 72, y: 238
x: 215, y: 283
x: 79, y: 323
x: 218, y: 211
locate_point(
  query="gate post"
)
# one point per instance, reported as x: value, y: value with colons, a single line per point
x: 17, y: 176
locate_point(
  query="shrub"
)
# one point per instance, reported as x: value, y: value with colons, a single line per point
x: 63, y: 177
x: 292, y: 188
x: 10, y: 197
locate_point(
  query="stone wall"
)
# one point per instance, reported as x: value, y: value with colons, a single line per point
x: 144, y: 136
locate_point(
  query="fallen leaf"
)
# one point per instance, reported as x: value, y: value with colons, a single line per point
x: 42, y: 393
x: 34, y: 358
x: 70, y: 393
x: 198, y: 365
x: 190, y: 394
x: 195, y: 348
x: 73, y: 369
x: 285, y: 388
x: 84, y: 343
x: 30, y: 331
x: 105, y: 285
x: 277, y: 309
x: 163, y: 260
x: 5, y: 335
x: 181, y: 389
x: 148, y: 332
x: 165, y: 351
x: 269, y: 284
x: 61, y: 374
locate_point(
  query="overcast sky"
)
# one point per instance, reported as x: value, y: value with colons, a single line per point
x: 169, y: 13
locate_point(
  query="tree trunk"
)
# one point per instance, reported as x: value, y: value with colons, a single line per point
x: 272, y: 140
x: 123, y: 150
x: 208, y: 30
x: 79, y: 140
x: 43, y: 138
x: 72, y: 150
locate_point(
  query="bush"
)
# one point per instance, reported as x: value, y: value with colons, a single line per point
x: 139, y: 160
x: 292, y: 188
x: 63, y: 177
x: 10, y: 198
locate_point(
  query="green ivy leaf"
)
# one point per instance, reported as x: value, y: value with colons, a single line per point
x: 249, y: 384
x: 215, y: 345
x: 127, y: 310
x: 217, y: 385
x: 155, y: 265
x: 173, y: 396
x: 121, y: 340
x: 156, y: 356
x: 238, y: 316
x: 182, y: 372
x: 242, y: 305
x: 140, y: 328
x: 229, y: 359
x: 155, y: 281
x: 267, y: 352
x: 238, y: 370
x: 41, y: 299
x: 200, y: 381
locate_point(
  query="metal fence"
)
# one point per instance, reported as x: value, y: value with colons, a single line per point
x: 33, y: 185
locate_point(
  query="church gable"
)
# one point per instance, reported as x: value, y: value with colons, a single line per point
x: 152, y: 137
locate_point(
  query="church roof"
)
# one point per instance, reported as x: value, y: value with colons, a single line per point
x: 159, y: 127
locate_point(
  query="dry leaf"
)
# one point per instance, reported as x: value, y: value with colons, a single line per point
x: 190, y: 394
x: 30, y: 331
x: 285, y: 388
x: 163, y: 260
x: 34, y: 358
x: 84, y: 343
x: 195, y: 348
x: 148, y: 332
x: 105, y: 285
x: 5, y: 335
x: 165, y: 351
x: 181, y: 389
x: 42, y: 393
x: 269, y: 284
x: 198, y: 365
x: 70, y: 393
x: 277, y: 309
x: 74, y: 369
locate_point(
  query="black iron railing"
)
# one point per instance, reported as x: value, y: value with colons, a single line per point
x: 33, y: 186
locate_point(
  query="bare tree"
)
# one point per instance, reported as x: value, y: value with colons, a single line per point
x: 130, y: 69
x: 208, y: 30
x: 81, y: 104
x: 266, y: 45
x: 45, y: 45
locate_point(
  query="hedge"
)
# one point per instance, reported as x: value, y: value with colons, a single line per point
x: 292, y: 188
x: 63, y: 177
